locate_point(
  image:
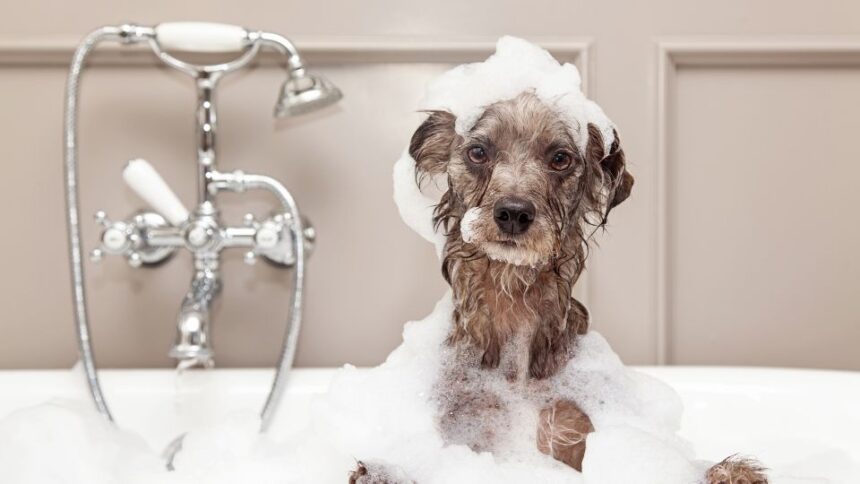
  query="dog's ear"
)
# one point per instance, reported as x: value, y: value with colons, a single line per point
x: 617, y: 181
x: 431, y: 143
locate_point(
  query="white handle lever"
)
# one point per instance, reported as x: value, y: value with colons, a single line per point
x: 201, y: 36
x: 141, y: 177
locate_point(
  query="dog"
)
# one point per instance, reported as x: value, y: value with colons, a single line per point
x: 521, y: 206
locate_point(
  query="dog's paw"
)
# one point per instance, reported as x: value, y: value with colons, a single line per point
x: 736, y: 470
x: 562, y: 430
x: 378, y: 473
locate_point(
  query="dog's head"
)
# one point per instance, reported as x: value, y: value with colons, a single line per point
x: 520, y: 190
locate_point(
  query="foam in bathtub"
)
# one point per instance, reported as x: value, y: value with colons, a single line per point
x: 67, y: 441
x: 389, y: 413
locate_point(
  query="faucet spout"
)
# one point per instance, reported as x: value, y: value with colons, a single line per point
x: 193, y: 346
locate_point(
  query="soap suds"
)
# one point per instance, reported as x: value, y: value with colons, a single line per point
x: 467, y: 230
x: 516, y: 67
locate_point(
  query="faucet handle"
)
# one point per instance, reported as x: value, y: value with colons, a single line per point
x: 101, y: 218
x: 273, y: 239
x: 134, y: 259
x: 202, y: 36
x: 151, y: 187
x: 116, y: 236
x: 129, y: 239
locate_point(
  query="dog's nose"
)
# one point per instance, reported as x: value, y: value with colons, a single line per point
x: 514, y: 215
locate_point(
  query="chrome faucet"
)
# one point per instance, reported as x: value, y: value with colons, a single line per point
x: 283, y: 238
x: 192, y: 341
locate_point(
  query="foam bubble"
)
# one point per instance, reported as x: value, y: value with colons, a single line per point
x: 517, y: 66
x: 467, y: 229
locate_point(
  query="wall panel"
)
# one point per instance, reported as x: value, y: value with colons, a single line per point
x: 760, y: 166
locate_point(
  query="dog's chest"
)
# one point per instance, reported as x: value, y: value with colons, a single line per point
x: 514, y: 304
x: 515, y: 307
x: 515, y: 357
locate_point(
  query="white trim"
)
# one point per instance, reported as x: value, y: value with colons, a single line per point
x: 344, y: 50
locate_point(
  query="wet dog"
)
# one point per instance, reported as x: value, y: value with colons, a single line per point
x: 521, y: 205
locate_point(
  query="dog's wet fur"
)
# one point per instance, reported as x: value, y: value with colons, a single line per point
x: 538, y: 200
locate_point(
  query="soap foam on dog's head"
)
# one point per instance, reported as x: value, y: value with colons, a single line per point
x: 516, y: 67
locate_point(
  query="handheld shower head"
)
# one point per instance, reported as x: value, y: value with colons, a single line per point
x: 302, y: 93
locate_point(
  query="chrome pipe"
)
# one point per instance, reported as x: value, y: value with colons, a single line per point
x: 164, y: 237
x: 206, y: 126
x: 238, y: 181
x: 127, y: 34
x: 192, y: 343
x: 284, y: 46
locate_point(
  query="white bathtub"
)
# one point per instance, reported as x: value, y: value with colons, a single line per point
x: 778, y: 415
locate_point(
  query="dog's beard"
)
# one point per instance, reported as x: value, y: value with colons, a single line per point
x: 525, y: 251
x: 511, y: 253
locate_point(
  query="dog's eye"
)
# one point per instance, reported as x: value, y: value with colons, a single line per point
x: 478, y: 155
x: 560, y: 161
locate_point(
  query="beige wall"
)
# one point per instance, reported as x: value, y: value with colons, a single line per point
x: 738, y: 246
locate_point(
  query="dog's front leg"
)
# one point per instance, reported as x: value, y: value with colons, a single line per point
x: 562, y: 430
x: 469, y: 414
x: 377, y: 472
x: 736, y: 470
x: 554, y: 338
